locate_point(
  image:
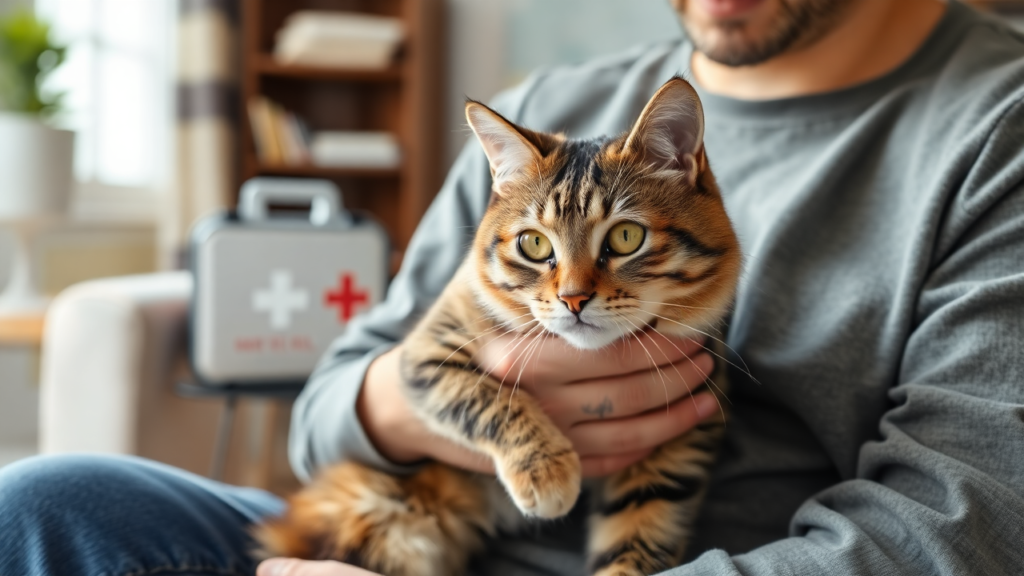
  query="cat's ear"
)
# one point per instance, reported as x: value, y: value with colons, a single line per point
x: 509, y: 151
x: 669, y: 135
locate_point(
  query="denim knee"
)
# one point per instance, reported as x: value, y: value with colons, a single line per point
x: 34, y: 488
x: 92, y: 514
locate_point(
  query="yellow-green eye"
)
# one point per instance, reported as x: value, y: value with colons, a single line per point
x: 625, y: 238
x: 535, y: 246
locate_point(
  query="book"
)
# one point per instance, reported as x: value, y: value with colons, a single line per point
x: 277, y: 134
x: 261, y: 119
x: 296, y: 148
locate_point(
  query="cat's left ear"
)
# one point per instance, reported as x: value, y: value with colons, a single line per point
x: 508, y: 149
x: 669, y: 135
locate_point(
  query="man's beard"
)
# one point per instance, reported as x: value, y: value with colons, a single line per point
x: 798, y: 23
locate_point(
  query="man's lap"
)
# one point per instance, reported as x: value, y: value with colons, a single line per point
x: 85, y: 514
x: 119, y: 515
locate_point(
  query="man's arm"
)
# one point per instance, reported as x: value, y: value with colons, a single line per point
x: 325, y: 427
x: 942, y: 492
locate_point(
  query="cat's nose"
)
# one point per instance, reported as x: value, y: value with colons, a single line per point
x: 574, y: 302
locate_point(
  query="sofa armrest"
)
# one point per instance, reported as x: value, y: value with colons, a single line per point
x: 112, y: 350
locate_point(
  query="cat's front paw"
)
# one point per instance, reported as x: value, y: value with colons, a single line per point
x: 542, y: 485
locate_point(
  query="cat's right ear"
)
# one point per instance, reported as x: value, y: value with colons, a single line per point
x: 511, y: 155
x: 669, y: 135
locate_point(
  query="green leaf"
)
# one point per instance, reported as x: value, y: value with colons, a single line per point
x: 27, y: 57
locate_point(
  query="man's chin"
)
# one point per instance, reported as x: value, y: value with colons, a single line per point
x: 758, y: 30
x: 732, y: 51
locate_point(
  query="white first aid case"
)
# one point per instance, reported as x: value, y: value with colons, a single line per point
x: 273, y: 291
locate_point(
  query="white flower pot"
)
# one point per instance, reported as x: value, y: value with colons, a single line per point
x: 36, y: 174
x: 36, y: 168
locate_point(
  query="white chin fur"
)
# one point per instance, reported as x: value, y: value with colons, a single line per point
x: 585, y: 336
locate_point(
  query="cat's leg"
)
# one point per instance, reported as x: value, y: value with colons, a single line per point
x: 644, y: 515
x: 458, y: 400
x: 532, y: 458
x: 425, y: 524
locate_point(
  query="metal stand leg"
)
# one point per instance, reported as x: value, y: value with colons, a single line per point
x: 220, y: 449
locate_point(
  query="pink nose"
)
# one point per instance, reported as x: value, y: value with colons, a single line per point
x: 574, y: 302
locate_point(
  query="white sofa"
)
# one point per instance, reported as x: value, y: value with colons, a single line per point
x: 112, y: 352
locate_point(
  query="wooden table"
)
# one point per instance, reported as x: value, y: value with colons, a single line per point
x: 22, y: 330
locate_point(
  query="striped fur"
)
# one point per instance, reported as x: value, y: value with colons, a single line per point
x: 680, y: 281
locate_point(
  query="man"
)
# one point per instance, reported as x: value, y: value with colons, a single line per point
x: 869, y: 154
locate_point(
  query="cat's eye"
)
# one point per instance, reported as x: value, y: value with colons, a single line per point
x: 535, y: 246
x: 625, y: 238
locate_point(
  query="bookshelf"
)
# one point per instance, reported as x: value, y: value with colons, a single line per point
x: 405, y: 99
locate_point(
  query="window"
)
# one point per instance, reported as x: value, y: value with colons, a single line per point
x: 117, y: 82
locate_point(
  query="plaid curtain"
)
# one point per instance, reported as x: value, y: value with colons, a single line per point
x: 207, y: 105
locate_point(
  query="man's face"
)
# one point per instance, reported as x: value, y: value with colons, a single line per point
x: 747, y: 32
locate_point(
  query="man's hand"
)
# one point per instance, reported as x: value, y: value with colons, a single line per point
x: 294, y: 567
x: 615, y: 404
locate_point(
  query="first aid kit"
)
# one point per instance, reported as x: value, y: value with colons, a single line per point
x: 273, y: 289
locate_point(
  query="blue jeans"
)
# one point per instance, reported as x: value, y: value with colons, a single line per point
x: 117, y: 516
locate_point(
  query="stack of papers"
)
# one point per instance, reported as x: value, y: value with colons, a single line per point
x: 338, y: 40
x: 342, y: 149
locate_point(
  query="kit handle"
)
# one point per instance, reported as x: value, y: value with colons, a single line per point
x: 323, y: 197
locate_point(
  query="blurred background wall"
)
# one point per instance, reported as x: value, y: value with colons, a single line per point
x: 123, y: 77
x: 495, y: 44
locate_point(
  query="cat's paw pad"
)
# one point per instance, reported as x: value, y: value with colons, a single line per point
x: 545, y: 486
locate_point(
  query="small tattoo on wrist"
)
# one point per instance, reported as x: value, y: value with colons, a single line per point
x: 601, y: 410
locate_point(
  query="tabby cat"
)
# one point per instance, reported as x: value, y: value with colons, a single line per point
x: 595, y: 239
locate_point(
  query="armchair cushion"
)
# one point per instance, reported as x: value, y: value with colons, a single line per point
x: 112, y: 351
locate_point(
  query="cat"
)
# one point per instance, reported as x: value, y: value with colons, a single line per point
x: 594, y: 241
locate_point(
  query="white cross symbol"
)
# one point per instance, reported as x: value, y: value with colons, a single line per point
x: 280, y: 299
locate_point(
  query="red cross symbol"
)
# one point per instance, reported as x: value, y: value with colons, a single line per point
x: 346, y: 298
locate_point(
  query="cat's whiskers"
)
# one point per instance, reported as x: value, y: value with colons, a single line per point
x: 742, y: 369
x: 615, y: 185
x: 519, y: 334
x: 518, y: 340
x: 654, y: 365
x: 481, y: 335
x: 635, y: 333
x: 618, y: 176
x: 677, y: 305
x: 518, y: 360
x: 532, y: 347
x: 707, y: 377
x: 547, y: 334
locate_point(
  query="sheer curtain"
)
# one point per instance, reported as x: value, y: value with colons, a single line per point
x: 207, y: 108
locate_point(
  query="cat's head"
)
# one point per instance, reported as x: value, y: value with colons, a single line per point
x: 596, y: 239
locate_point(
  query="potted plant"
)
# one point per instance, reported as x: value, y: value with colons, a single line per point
x: 36, y: 160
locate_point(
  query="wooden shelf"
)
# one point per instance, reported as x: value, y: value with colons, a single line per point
x: 22, y: 330
x: 406, y: 99
x: 327, y: 171
x: 265, y: 65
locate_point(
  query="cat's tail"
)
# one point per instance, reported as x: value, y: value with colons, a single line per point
x: 425, y: 524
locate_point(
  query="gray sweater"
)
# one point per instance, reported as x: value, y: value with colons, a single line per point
x: 881, y: 311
